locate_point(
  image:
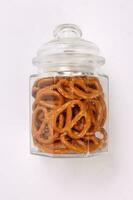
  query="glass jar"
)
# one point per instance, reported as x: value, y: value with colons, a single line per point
x: 68, y: 97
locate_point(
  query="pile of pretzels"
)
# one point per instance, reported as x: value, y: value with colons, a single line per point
x: 68, y: 115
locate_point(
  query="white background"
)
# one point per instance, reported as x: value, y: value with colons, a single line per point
x: 24, y: 26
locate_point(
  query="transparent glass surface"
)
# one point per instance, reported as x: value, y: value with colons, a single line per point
x: 67, y: 50
x: 68, y: 114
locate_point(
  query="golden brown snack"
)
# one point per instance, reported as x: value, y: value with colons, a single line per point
x: 55, y: 148
x: 73, y: 145
x: 88, y: 88
x: 43, y: 83
x: 42, y: 128
x: 64, y: 87
x: 49, y: 98
x: 68, y: 112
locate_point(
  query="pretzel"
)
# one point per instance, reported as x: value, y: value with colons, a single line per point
x: 35, y: 119
x: 86, y: 89
x: 76, y: 146
x: 94, y: 83
x: 49, y: 98
x: 45, y: 135
x: 65, y: 109
x: 74, y: 133
x: 63, y: 86
x: 68, y: 113
x: 42, y: 133
x: 55, y: 148
x: 70, y: 120
x: 43, y: 83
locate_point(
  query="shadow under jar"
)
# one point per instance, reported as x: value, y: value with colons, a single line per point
x: 68, y: 97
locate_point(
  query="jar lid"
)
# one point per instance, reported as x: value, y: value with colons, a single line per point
x: 68, y: 48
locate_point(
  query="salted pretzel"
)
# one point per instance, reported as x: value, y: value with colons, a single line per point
x: 49, y: 98
x: 46, y: 135
x: 64, y: 87
x: 93, y: 83
x: 86, y: 88
x: 88, y: 144
x: 42, y: 128
x: 55, y: 148
x: 74, y: 133
x: 76, y: 145
x: 68, y: 114
x: 43, y: 83
x: 71, y: 120
x: 35, y: 118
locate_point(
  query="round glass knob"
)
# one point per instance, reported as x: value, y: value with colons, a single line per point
x: 67, y: 31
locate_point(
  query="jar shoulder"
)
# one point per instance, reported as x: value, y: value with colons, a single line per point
x: 68, y: 73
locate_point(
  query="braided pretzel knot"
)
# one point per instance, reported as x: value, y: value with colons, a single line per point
x: 68, y: 112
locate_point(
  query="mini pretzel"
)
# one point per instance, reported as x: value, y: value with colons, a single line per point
x: 49, y: 98
x: 85, y: 89
x: 63, y: 86
x: 67, y: 108
x: 45, y: 135
x: 76, y: 146
x: 71, y: 121
x: 35, y: 118
x: 43, y: 83
x: 94, y: 83
x: 75, y: 134
x: 55, y: 148
x: 43, y: 132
